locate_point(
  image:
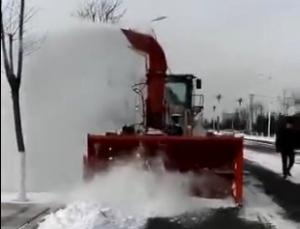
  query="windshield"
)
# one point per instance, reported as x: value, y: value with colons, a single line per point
x: 176, y: 93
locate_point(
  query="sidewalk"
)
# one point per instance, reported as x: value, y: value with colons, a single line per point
x: 16, y: 214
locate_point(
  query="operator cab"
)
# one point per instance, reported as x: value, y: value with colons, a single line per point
x: 182, y: 100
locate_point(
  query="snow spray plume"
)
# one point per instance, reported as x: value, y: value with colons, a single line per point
x: 79, y: 82
x: 131, y: 187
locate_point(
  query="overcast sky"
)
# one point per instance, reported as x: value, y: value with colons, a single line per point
x: 235, y: 46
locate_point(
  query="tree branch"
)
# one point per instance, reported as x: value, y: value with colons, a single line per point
x: 4, y: 50
x: 105, y: 11
x: 11, y: 44
x: 32, y: 45
x: 27, y: 16
x: 21, y: 25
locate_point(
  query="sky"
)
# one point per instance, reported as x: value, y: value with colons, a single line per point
x: 236, y: 47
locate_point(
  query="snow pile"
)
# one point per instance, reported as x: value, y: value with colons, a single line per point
x: 273, y: 163
x: 82, y: 215
x: 90, y: 215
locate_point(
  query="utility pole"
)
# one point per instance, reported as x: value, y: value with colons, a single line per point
x: 218, y: 123
x: 269, y: 123
x: 214, y: 122
x: 251, y: 113
x: 269, y: 117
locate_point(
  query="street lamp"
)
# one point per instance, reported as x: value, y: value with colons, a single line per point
x: 214, y: 110
x: 157, y: 19
x: 270, y: 104
x: 160, y: 18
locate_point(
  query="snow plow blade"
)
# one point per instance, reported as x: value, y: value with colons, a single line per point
x: 216, y: 160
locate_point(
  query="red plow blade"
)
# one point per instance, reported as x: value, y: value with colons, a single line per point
x: 219, y: 159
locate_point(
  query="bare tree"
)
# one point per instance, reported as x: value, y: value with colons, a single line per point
x: 13, y: 18
x: 286, y: 101
x: 106, y: 11
x: 219, y: 97
x: 240, y: 101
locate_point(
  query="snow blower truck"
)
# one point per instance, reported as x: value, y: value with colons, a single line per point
x: 169, y: 108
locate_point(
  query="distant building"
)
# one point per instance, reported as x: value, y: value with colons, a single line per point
x: 227, y: 116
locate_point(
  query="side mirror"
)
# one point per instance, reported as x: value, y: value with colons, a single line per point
x: 198, y: 83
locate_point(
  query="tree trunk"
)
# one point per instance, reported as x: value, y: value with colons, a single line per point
x: 22, y: 178
x: 17, y: 119
x: 20, y: 143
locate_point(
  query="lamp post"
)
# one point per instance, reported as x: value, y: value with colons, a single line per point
x: 270, y: 104
x: 251, y: 99
x: 160, y: 18
x: 157, y: 19
x: 214, y: 110
x: 240, y: 101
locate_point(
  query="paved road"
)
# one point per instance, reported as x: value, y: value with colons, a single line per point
x: 284, y: 193
x: 223, y: 218
x: 218, y: 219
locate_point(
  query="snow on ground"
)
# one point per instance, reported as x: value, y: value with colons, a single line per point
x: 83, y: 215
x: 273, y: 163
x: 270, y: 140
x: 260, y: 138
x: 127, y: 196
x: 33, y: 197
x: 259, y: 206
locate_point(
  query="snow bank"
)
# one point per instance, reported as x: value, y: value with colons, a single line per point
x: 273, y: 163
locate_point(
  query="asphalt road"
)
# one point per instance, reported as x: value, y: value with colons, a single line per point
x: 218, y: 219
